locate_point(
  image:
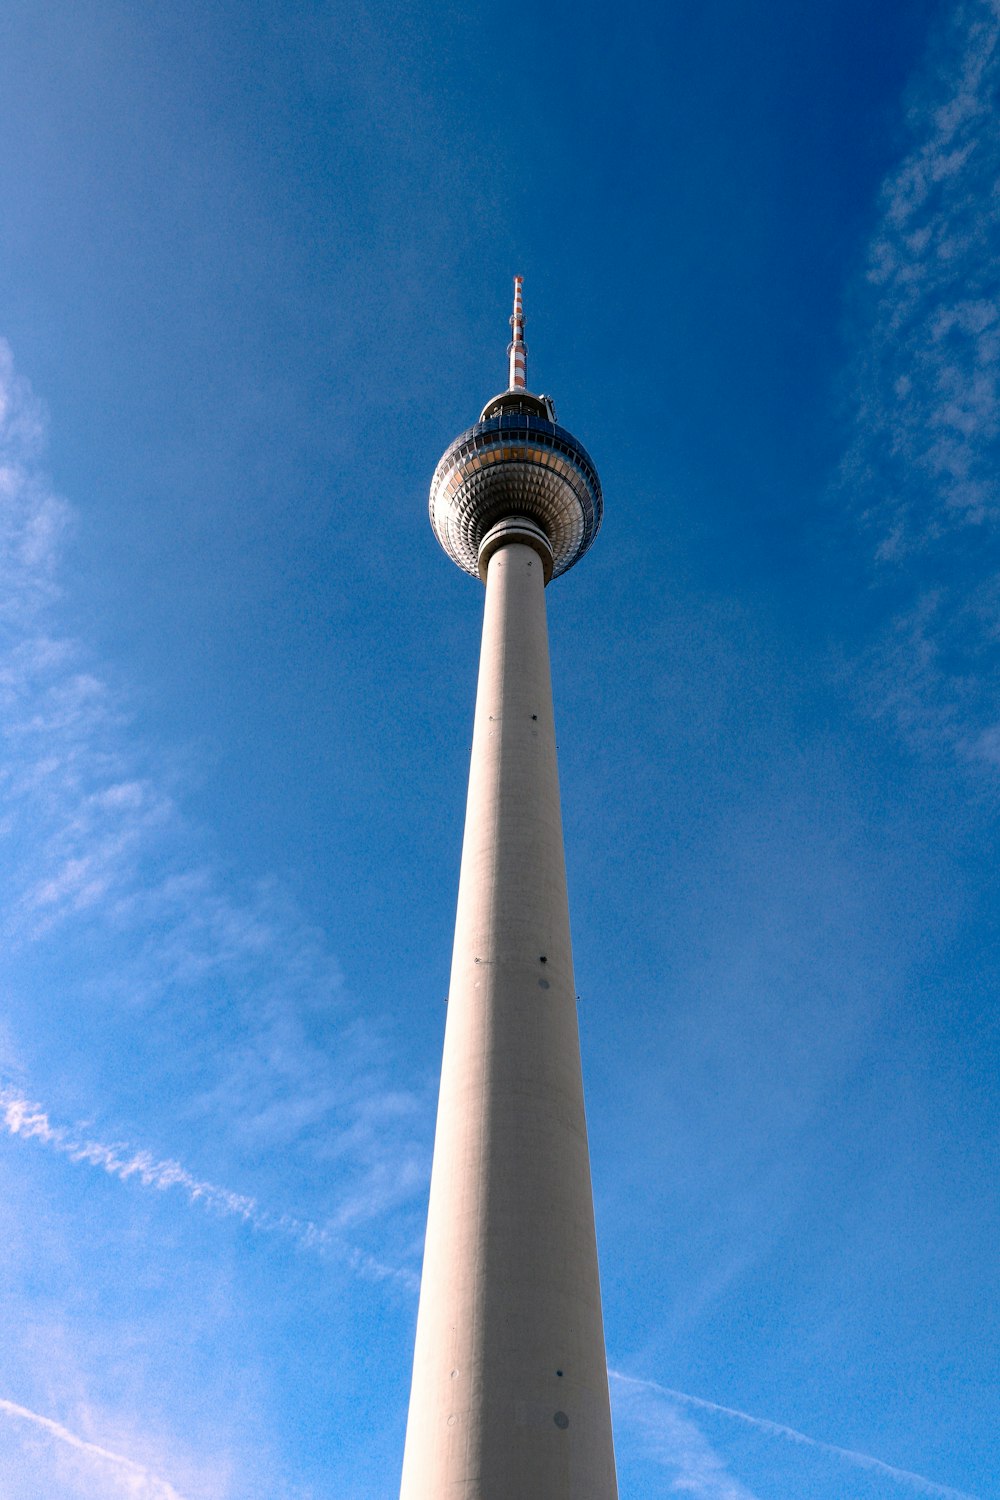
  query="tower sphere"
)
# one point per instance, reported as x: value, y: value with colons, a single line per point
x: 516, y: 464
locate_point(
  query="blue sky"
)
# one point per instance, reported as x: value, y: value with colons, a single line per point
x: 255, y: 267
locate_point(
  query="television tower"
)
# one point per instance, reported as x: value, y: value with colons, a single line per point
x: 509, y: 1399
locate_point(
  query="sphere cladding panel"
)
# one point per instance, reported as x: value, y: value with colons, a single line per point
x: 515, y: 465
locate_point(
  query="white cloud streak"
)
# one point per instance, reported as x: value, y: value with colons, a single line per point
x: 922, y: 469
x: 675, y: 1442
x: 260, y: 1045
x: 28, y: 1121
x: 916, y: 1482
x: 129, y: 1477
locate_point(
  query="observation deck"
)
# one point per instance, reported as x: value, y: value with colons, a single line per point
x: 516, y: 464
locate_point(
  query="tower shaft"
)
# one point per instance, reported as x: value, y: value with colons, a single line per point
x: 510, y: 1393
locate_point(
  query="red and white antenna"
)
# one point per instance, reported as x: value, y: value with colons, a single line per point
x: 517, y: 349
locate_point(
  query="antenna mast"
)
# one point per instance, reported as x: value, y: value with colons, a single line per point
x: 517, y: 350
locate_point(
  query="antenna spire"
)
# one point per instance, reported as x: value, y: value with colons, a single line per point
x: 517, y: 350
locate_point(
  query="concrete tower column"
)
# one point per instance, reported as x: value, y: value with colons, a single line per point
x: 509, y: 1399
x: 510, y: 1389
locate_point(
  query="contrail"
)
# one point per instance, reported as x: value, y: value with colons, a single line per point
x: 916, y: 1482
x: 22, y: 1118
x: 139, y: 1481
x: 30, y: 1122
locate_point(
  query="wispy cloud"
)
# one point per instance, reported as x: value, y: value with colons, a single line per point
x: 127, y: 1476
x: 28, y: 1121
x: 674, y: 1441
x: 231, y: 1004
x: 923, y: 466
x: 915, y: 1482
x: 34, y: 520
x: 169, y: 999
